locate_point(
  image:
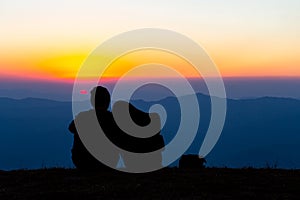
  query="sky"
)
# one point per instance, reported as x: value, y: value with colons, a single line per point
x: 49, y: 40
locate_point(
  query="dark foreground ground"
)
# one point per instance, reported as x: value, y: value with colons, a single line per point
x: 210, y: 183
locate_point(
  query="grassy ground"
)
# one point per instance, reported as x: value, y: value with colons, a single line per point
x: 212, y: 183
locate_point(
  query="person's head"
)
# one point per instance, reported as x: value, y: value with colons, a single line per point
x: 100, y: 98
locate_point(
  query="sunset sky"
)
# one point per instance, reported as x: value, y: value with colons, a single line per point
x: 51, y: 39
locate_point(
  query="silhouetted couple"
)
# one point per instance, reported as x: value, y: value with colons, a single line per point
x: 100, y: 100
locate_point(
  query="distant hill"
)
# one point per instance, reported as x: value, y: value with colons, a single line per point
x: 34, y: 133
x: 258, y: 132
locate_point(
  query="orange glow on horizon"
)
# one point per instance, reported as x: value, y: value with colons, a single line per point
x: 64, y: 67
x: 51, y: 40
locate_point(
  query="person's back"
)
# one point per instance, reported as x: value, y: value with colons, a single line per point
x: 100, y: 100
x: 81, y: 157
x: 138, y: 144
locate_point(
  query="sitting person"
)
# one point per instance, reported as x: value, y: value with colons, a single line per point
x: 100, y: 100
x: 140, y: 142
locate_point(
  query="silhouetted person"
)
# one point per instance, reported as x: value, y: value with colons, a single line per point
x: 100, y: 100
x: 137, y: 144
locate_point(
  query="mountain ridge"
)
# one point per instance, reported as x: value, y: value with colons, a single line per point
x: 256, y: 132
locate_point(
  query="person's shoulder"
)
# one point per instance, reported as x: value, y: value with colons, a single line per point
x: 86, y: 113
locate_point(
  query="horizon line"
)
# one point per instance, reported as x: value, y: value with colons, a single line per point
x: 113, y: 79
